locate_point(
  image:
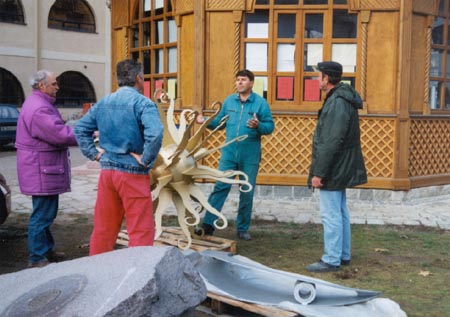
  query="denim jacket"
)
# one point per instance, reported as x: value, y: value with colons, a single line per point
x: 127, y: 122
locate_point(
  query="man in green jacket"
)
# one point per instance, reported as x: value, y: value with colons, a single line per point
x: 337, y: 163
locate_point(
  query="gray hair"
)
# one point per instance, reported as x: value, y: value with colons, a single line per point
x: 39, y: 76
x: 127, y: 70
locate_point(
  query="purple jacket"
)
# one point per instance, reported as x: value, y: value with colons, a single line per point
x: 42, y: 141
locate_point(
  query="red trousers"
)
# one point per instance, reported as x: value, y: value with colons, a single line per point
x: 122, y: 195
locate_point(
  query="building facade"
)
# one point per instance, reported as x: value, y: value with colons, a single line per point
x: 69, y: 37
x: 394, y: 52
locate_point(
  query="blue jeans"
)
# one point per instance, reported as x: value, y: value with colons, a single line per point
x: 40, y: 239
x: 221, y: 190
x: 336, y: 226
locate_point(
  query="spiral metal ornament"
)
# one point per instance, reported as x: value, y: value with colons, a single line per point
x: 176, y: 169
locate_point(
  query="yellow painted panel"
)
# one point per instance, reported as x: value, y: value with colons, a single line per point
x: 382, y: 62
x: 220, y: 56
x: 186, y: 51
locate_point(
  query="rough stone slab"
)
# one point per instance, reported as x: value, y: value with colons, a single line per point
x: 139, y: 281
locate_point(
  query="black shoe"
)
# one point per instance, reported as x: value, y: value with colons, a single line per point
x: 322, y: 267
x: 54, y: 256
x: 41, y: 263
x: 345, y: 262
x: 244, y: 235
x: 208, y: 229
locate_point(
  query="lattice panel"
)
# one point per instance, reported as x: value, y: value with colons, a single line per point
x: 379, y: 4
x: 226, y: 5
x: 288, y: 150
x: 377, y: 142
x: 184, y: 6
x: 429, y: 147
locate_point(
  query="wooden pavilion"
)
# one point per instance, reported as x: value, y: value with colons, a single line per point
x: 396, y: 53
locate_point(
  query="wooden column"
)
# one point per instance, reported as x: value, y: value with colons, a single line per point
x: 401, y: 157
x: 199, y: 55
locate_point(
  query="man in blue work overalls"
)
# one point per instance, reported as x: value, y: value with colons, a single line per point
x: 249, y: 114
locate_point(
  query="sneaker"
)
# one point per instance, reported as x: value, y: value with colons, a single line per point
x: 345, y: 262
x: 41, y: 263
x: 244, y: 235
x: 320, y: 267
x: 54, y: 256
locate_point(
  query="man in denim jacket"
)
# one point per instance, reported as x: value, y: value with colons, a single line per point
x: 131, y: 133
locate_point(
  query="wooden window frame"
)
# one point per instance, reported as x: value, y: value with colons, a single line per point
x: 138, y: 21
x: 297, y: 104
x: 444, y: 79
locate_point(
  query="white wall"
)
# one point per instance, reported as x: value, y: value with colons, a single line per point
x: 26, y: 48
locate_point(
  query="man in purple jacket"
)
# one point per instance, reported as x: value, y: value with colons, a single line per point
x: 43, y: 165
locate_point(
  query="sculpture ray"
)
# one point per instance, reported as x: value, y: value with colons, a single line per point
x: 176, y: 169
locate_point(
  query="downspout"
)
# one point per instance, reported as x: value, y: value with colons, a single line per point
x: 37, y: 38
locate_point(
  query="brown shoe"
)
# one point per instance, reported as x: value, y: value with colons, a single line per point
x: 54, y: 256
x: 38, y: 264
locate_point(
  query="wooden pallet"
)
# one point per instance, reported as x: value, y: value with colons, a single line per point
x: 172, y: 235
x: 218, y: 305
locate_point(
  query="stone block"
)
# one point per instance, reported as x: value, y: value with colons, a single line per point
x: 139, y: 281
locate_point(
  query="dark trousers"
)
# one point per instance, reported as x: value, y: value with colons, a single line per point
x: 40, y: 239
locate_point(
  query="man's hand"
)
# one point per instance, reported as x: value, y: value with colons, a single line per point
x: 200, y: 119
x: 138, y: 158
x: 316, y: 182
x: 253, y: 123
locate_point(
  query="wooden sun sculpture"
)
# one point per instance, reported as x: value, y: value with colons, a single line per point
x: 176, y: 169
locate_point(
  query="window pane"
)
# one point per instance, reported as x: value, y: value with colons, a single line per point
x: 135, y: 56
x: 168, y: 6
x: 349, y: 80
x: 286, y: 26
x: 260, y: 86
x: 147, y: 7
x: 257, y: 24
x: 442, y: 6
x: 435, y: 94
x: 436, y: 63
x: 146, y: 34
x: 314, y: 25
x: 262, y: 1
x: 256, y: 56
x: 346, y: 55
x: 172, y: 31
x: 285, y: 58
x: 311, y: 89
x: 340, y: 1
x: 159, y: 35
x: 313, y: 55
x: 286, y: 1
x: 11, y: 12
x: 315, y: 1
x: 447, y: 96
x: 146, y: 57
x: 134, y: 36
x: 172, y: 59
x: 285, y: 88
x: 448, y: 32
x: 437, y: 33
x: 344, y: 24
x: 159, y: 7
x: 159, y: 61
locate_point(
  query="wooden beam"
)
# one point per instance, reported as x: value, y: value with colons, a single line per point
x: 199, y: 54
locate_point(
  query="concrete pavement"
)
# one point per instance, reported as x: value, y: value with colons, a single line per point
x: 428, y: 206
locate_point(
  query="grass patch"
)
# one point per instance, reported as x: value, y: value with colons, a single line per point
x: 410, y: 265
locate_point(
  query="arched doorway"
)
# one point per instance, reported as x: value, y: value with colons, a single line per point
x: 11, y: 91
x: 75, y: 89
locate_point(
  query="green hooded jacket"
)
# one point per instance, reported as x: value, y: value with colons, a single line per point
x: 336, y: 150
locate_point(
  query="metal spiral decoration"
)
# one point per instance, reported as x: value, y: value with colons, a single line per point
x: 176, y: 169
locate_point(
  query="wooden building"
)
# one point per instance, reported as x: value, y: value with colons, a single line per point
x: 396, y: 53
